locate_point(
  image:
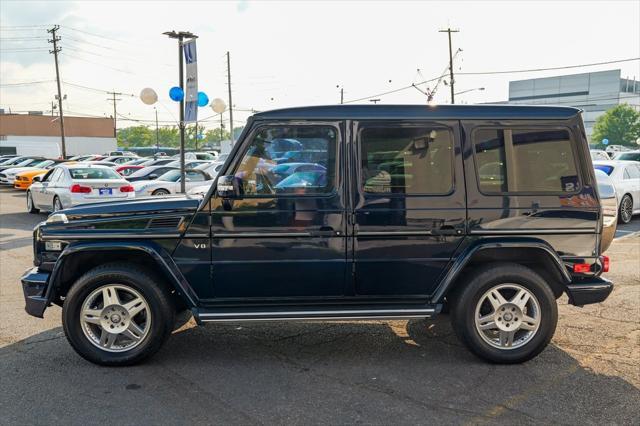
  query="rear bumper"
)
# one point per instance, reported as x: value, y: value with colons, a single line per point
x: 592, y: 290
x: 34, y: 287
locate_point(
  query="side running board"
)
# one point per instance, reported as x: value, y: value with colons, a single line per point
x: 427, y: 311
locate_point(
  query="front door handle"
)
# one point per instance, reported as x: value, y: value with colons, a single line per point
x: 446, y: 230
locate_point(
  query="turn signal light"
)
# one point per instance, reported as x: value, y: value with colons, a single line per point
x: 79, y: 189
x: 605, y: 263
x: 581, y: 268
x: 127, y: 188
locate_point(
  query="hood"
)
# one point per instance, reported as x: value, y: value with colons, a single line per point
x: 32, y: 172
x: 133, y: 206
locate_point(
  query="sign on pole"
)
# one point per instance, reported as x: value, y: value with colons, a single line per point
x: 191, y: 84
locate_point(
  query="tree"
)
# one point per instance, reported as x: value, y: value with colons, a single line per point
x: 620, y: 125
x: 135, y: 136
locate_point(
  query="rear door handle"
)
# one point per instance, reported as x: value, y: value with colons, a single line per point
x: 326, y: 231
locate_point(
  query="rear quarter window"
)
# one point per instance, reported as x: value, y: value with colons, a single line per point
x: 522, y: 160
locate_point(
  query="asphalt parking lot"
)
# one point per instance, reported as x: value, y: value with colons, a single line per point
x: 378, y: 372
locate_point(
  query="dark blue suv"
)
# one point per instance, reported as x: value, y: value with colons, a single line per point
x: 490, y: 212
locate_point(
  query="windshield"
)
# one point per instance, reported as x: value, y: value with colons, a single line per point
x: 605, y: 168
x: 629, y: 156
x: 12, y: 161
x: 44, y: 163
x: 170, y: 176
x: 94, y: 173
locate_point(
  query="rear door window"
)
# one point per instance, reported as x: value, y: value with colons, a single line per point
x: 517, y: 160
x: 403, y: 160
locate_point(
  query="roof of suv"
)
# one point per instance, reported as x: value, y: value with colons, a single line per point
x: 421, y: 112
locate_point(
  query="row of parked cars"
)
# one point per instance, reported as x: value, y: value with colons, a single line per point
x: 55, y: 184
x: 618, y: 175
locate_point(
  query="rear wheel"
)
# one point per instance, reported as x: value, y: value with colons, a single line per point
x: 160, y: 192
x: 117, y: 315
x: 31, y: 208
x: 626, y: 209
x: 57, y: 204
x: 506, y: 313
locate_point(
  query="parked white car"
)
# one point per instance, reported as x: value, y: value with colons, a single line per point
x: 626, y: 179
x: 8, y: 176
x: 169, y: 183
x: 72, y: 185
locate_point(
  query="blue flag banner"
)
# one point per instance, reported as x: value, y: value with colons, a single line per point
x: 191, y: 84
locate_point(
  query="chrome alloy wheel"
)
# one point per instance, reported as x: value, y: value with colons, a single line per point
x: 507, y: 316
x: 115, y: 318
x: 626, y: 209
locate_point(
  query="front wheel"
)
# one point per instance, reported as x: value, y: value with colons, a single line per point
x: 116, y: 315
x: 506, y: 313
x: 31, y: 207
x: 626, y: 209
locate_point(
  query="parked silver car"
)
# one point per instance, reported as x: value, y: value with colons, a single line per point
x: 71, y: 185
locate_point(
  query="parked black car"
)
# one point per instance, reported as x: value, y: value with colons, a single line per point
x: 491, y: 211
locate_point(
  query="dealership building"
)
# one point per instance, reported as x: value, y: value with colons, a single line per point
x: 593, y: 92
x: 37, y: 134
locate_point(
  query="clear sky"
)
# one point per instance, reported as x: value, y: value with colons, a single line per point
x: 296, y: 53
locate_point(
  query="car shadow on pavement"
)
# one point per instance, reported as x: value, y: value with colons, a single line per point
x: 392, y: 372
x: 20, y: 221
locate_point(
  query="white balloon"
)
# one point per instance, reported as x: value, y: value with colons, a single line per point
x: 218, y: 106
x: 149, y: 96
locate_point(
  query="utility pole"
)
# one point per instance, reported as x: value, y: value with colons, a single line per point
x: 55, y: 39
x: 341, y: 94
x: 181, y: 36
x: 115, y: 113
x: 449, y: 31
x: 157, y: 132
x: 230, y: 101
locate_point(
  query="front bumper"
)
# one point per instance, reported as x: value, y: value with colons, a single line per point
x: 592, y: 290
x: 34, y: 287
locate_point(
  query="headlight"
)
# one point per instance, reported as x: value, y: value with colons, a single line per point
x: 57, y: 218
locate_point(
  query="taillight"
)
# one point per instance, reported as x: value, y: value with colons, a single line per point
x: 605, y: 263
x: 126, y: 188
x: 79, y: 189
x: 581, y: 268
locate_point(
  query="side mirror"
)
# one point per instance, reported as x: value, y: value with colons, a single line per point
x: 153, y: 176
x: 229, y: 187
x: 37, y: 179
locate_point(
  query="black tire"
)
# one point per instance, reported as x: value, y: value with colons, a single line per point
x: 468, y: 294
x: 160, y: 192
x: 155, y: 294
x: 56, y: 203
x: 30, y: 206
x: 625, y: 211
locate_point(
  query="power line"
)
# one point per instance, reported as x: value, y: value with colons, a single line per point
x: 93, y: 34
x: 550, y: 69
x: 25, y: 83
x: 97, y: 63
x: 393, y: 91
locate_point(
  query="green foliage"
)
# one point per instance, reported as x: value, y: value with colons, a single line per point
x: 620, y: 124
x: 170, y: 136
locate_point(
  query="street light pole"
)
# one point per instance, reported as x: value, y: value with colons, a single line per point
x: 181, y: 36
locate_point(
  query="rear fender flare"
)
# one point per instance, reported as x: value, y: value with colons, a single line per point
x: 162, y: 259
x: 465, y: 257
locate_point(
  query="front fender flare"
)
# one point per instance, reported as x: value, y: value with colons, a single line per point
x: 463, y: 259
x: 164, y: 261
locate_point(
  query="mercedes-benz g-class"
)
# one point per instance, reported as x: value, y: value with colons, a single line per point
x: 488, y: 211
